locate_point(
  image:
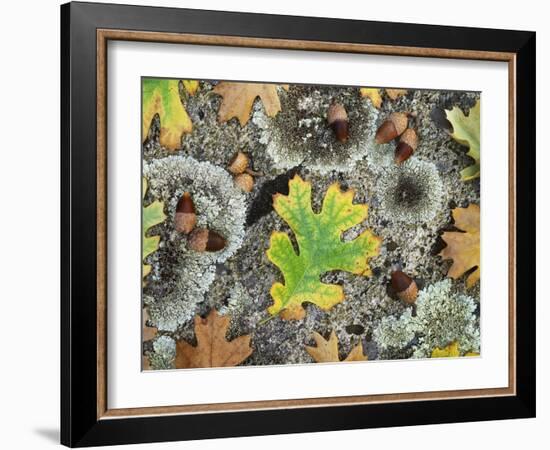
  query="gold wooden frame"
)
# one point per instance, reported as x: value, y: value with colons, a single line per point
x: 104, y: 35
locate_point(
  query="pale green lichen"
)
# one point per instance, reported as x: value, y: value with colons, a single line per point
x: 237, y: 300
x: 395, y: 332
x: 442, y: 316
x: 409, y: 193
x: 300, y: 134
x: 163, y: 354
x: 220, y: 207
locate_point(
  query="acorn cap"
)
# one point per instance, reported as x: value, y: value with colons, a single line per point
x: 245, y: 182
x: 404, y: 286
x: 186, y: 218
x: 204, y: 240
x: 406, y: 146
x: 336, y: 112
x: 392, y: 127
x: 337, y: 118
x: 238, y: 163
x: 410, y: 138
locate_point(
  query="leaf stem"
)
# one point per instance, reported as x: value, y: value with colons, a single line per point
x: 267, y: 319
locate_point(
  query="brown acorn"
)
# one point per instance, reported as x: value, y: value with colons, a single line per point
x: 337, y: 118
x: 404, y: 286
x: 406, y: 146
x: 239, y: 163
x: 204, y: 240
x: 186, y: 218
x: 392, y: 127
x: 245, y: 182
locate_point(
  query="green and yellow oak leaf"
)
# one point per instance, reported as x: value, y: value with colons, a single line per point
x: 191, y: 86
x: 466, y: 132
x: 321, y: 248
x: 327, y: 350
x: 463, y: 247
x: 161, y: 96
x: 153, y: 214
x: 450, y: 351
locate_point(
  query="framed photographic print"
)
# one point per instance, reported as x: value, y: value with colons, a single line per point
x: 277, y: 224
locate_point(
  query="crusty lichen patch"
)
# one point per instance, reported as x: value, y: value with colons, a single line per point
x: 300, y: 133
x: 179, y: 283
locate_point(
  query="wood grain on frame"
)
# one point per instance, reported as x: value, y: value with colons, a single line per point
x: 103, y: 35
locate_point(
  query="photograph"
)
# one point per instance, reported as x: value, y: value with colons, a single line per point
x: 303, y: 223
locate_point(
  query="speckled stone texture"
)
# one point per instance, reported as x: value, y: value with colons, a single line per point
x: 409, y: 208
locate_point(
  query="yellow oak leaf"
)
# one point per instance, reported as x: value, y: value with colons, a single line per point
x: 393, y: 94
x: 373, y: 94
x: 191, y: 86
x: 450, y: 351
x: 161, y: 96
x: 238, y: 99
x: 152, y: 215
x: 327, y: 350
x: 463, y: 247
x: 213, y: 349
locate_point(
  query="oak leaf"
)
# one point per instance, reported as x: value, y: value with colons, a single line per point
x: 327, y: 350
x: 212, y: 350
x: 450, y: 351
x: 152, y: 215
x: 321, y: 248
x: 466, y: 132
x: 161, y: 96
x: 238, y: 99
x: 148, y: 332
x: 463, y: 247
x: 394, y: 94
x: 373, y: 94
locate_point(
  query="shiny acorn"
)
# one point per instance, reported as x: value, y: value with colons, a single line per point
x: 404, y: 286
x: 406, y: 146
x: 186, y: 217
x: 239, y: 163
x: 337, y: 118
x: 392, y: 127
x: 204, y: 240
x: 245, y: 182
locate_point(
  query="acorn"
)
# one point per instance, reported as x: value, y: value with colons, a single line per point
x: 186, y: 218
x: 404, y: 286
x: 392, y: 127
x: 337, y: 118
x: 406, y: 146
x: 239, y: 163
x: 204, y: 240
x: 245, y: 182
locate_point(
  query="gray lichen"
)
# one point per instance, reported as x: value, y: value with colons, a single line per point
x: 300, y: 134
x: 163, y: 354
x: 220, y: 206
x: 442, y: 316
x: 410, y: 193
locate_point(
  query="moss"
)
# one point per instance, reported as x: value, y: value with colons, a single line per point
x: 410, y: 193
x: 299, y: 134
x: 180, y: 276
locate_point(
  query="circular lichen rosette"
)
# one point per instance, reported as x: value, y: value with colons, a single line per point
x: 409, y: 193
x: 181, y: 276
x: 300, y: 133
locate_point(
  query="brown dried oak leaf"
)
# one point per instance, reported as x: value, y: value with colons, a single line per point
x: 238, y: 99
x: 148, y: 332
x: 327, y: 351
x: 212, y: 350
x: 463, y: 247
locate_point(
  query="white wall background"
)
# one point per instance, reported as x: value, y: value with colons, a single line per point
x: 29, y: 223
